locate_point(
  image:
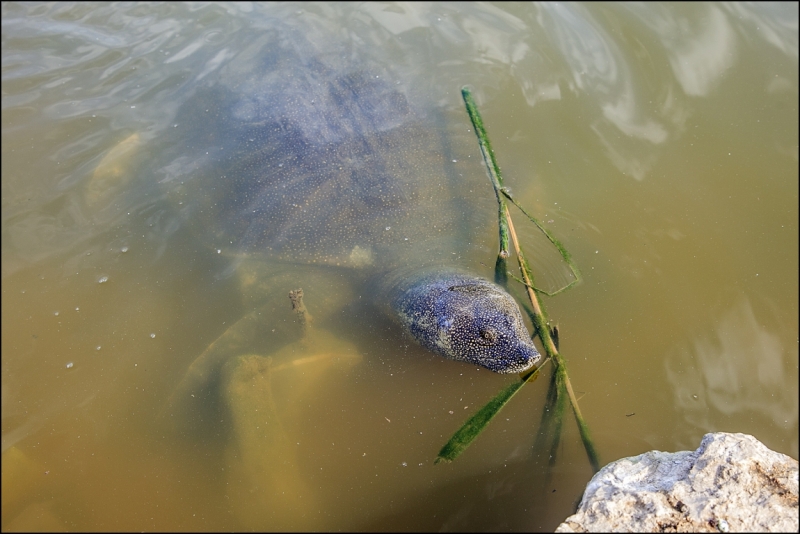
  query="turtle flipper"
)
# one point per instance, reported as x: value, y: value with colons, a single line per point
x: 198, y: 388
x: 265, y: 398
x: 279, y: 326
x: 266, y: 483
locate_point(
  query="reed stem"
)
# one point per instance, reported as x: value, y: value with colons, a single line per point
x: 561, y: 382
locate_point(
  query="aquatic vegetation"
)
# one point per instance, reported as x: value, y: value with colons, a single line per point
x: 560, y: 387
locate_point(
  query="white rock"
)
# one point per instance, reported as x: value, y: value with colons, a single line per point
x: 732, y: 483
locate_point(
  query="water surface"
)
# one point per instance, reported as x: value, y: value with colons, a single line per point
x: 658, y: 141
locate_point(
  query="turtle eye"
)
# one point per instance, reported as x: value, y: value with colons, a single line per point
x: 488, y: 336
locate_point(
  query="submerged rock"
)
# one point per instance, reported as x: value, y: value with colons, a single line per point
x: 731, y: 483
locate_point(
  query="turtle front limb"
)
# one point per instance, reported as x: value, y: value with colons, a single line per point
x: 265, y: 399
x: 265, y: 482
x: 198, y: 387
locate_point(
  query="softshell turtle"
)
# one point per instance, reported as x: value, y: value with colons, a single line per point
x: 308, y: 158
x: 302, y: 160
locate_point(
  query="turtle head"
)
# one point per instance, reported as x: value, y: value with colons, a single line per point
x: 479, y: 323
x: 469, y: 319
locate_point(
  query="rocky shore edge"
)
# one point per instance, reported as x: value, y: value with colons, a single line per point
x: 731, y: 483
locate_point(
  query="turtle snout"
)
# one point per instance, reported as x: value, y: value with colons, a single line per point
x: 523, y: 357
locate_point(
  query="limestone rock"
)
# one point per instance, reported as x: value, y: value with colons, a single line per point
x: 732, y: 483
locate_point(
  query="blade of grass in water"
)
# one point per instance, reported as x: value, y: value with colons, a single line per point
x: 561, y: 388
x: 475, y: 424
x: 500, y: 271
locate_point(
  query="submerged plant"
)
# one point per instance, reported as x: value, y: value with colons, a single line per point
x: 560, y: 388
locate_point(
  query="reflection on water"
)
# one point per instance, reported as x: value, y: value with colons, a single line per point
x: 740, y: 368
x: 701, y: 46
x: 687, y: 316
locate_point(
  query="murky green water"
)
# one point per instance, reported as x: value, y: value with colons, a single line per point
x: 659, y: 142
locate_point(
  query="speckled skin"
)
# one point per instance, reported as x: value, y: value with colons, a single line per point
x: 464, y: 318
x: 305, y: 156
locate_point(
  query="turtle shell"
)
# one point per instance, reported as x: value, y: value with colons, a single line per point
x: 313, y: 159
